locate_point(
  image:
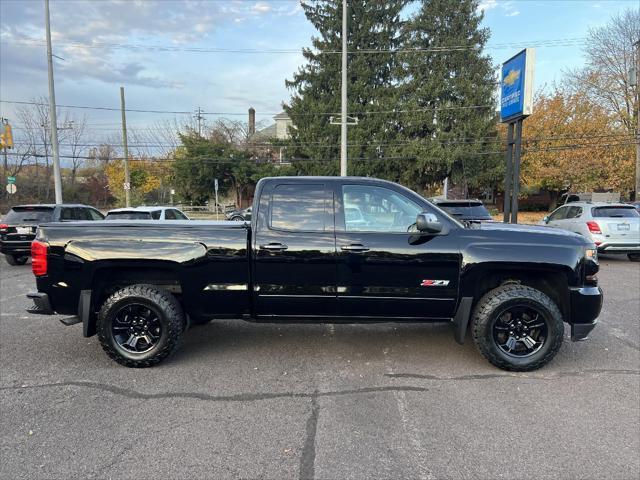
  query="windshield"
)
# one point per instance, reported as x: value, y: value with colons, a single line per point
x: 128, y: 216
x: 30, y: 215
x: 614, y: 212
x: 475, y: 210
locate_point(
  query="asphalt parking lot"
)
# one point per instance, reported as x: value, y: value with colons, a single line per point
x: 242, y: 400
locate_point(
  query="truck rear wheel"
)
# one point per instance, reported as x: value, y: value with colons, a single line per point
x: 140, y: 325
x: 16, y: 259
x: 517, y: 328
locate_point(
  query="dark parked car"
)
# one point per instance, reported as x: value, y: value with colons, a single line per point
x: 321, y: 249
x: 240, y: 215
x: 465, y: 210
x: 18, y: 228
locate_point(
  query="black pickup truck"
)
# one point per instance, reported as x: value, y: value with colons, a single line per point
x: 321, y: 249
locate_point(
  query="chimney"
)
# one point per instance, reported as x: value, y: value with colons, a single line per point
x: 252, y: 121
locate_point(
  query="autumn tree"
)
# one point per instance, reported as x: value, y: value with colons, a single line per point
x: 570, y: 142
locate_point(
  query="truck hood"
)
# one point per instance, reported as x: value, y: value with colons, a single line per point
x: 511, y: 227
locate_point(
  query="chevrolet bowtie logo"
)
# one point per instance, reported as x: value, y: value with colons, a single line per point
x: 512, y: 77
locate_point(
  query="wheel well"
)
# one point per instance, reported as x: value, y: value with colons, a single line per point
x: 553, y: 284
x: 106, y: 281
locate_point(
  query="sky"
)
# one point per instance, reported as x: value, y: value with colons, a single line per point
x: 155, y: 50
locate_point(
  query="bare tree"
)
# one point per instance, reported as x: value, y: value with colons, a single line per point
x: 74, y: 142
x: 610, y: 55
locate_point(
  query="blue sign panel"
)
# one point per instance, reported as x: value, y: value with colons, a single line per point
x: 516, y: 88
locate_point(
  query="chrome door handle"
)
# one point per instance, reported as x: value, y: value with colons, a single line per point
x: 274, y: 247
x: 354, y: 247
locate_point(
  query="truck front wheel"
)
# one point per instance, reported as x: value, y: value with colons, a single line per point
x: 517, y: 328
x: 140, y: 325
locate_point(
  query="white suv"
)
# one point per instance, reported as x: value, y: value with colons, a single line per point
x: 146, y: 213
x: 613, y: 227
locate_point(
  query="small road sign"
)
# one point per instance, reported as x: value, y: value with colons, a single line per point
x: 215, y: 184
x: 11, y: 188
x: 11, y: 179
x: 127, y: 185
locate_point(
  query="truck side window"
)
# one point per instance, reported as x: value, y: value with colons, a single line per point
x: 155, y: 215
x: 298, y: 207
x: 169, y: 215
x: 377, y: 209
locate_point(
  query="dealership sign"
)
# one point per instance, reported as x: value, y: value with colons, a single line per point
x: 516, y: 86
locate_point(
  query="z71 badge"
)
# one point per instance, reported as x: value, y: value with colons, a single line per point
x: 434, y: 283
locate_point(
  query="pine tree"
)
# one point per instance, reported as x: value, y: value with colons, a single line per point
x: 372, y: 84
x: 451, y: 84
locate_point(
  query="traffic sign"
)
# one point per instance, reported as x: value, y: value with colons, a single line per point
x: 11, y: 188
x: 215, y: 184
x: 11, y: 179
x: 127, y: 185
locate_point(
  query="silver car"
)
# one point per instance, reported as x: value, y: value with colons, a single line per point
x: 613, y: 227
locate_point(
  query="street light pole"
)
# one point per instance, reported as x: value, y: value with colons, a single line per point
x: 57, y: 179
x: 343, y: 119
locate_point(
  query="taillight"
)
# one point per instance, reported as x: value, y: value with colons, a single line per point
x: 39, y: 258
x: 3, y: 227
x: 594, y: 227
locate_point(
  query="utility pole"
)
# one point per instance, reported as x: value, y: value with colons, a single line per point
x: 57, y: 179
x: 127, y: 179
x: 343, y: 111
x: 198, y: 116
x: 637, y: 85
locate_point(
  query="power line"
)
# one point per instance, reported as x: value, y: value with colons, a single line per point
x: 175, y: 112
x: 297, y: 159
x: 557, y: 42
x: 443, y: 141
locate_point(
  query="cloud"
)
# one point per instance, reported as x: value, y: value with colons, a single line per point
x: 513, y: 13
x: 261, y: 7
x: 487, y: 5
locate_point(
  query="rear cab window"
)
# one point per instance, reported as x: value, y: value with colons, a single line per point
x: 615, y: 212
x: 29, y: 215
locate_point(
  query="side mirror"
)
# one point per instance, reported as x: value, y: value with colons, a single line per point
x: 546, y: 219
x: 428, y: 223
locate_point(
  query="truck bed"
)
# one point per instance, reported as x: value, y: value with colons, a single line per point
x: 204, y: 260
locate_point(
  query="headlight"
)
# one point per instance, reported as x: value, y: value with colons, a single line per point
x: 591, y: 254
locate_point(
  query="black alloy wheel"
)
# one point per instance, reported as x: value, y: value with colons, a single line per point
x: 136, y: 328
x: 140, y: 325
x: 520, y: 331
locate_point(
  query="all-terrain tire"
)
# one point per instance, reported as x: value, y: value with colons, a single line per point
x: 16, y: 259
x: 497, y: 300
x: 170, y: 314
x: 633, y: 257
